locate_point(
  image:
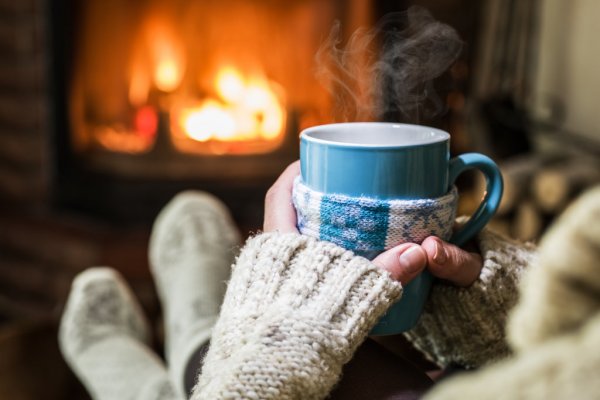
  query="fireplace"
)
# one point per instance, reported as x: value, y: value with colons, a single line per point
x: 158, y: 96
x: 155, y: 96
x: 109, y: 108
x: 161, y: 79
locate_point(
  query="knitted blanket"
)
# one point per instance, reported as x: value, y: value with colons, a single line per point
x: 368, y: 225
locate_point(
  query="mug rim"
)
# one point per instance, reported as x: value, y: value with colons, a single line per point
x: 308, y: 135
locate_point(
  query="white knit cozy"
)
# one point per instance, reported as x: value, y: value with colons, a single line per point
x: 369, y: 225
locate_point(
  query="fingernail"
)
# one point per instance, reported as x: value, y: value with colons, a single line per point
x: 439, y: 256
x: 410, y: 259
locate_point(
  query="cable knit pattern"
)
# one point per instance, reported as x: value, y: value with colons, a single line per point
x: 295, y: 311
x: 561, y: 368
x: 555, y: 328
x: 467, y: 325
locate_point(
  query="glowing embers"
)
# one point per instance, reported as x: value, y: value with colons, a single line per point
x: 133, y: 138
x: 245, y: 115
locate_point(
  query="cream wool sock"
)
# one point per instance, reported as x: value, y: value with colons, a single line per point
x: 103, y: 337
x: 191, y: 251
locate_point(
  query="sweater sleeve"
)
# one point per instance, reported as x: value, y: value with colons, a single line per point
x: 555, y: 328
x: 564, y: 367
x: 295, y: 311
x: 467, y: 326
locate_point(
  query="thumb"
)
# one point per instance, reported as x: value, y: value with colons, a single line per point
x: 403, y: 262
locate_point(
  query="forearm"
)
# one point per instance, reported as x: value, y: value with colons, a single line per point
x: 564, y: 367
x: 467, y: 325
x: 295, y: 310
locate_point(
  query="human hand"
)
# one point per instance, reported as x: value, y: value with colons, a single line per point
x: 290, y: 318
x: 444, y: 260
x: 404, y: 262
x: 280, y: 215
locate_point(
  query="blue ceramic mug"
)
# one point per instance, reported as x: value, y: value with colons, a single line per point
x: 393, y: 161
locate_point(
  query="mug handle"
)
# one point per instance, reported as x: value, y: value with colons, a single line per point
x: 491, y: 199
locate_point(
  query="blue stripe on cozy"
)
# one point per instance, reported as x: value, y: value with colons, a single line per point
x: 302, y: 222
x: 360, y: 224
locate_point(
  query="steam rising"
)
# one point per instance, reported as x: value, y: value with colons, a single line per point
x: 386, y: 73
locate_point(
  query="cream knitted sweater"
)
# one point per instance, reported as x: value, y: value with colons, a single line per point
x: 297, y: 308
x: 295, y: 311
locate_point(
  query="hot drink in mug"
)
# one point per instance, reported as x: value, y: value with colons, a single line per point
x: 370, y: 186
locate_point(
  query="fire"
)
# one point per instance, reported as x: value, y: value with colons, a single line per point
x: 164, y: 77
x: 243, y: 109
x: 167, y: 75
x: 208, y: 121
x: 167, y: 56
x: 263, y: 104
x: 139, y: 86
x: 230, y: 85
x: 234, y: 113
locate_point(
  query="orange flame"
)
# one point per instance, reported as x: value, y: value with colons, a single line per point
x: 208, y: 121
x: 246, y: 110
x: 167, y: 57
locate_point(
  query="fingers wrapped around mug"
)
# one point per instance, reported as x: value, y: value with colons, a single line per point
x: 280, y: 215
x: 403, y: 262
x: 444, y: 260
x: 450, y: 262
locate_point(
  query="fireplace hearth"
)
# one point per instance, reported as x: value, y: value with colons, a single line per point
x: 158, y: 96
x: 99, y: 130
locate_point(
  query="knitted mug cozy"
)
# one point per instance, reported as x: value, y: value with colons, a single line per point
x: 368, y: 225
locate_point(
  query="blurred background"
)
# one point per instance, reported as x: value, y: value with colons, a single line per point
x: 108, y: 108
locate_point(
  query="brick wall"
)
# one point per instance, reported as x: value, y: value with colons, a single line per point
x: 42, y: 248
x: 24, y: 107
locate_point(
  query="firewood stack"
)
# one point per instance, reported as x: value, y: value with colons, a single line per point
x: 536, y: 190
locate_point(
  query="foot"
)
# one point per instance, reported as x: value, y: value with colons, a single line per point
x: 192, y: 247
x: 103, y: 336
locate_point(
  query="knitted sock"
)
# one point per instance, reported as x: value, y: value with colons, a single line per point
x: 102, y: 337
x: 191, y: 251
x: 369, y: 226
